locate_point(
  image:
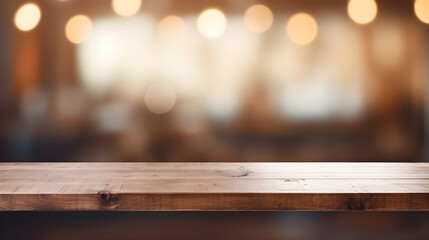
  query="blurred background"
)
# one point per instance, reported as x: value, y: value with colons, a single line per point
x: 214, y: 225
x: 225, y: 80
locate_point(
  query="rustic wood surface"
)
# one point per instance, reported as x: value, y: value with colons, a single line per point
x: 214, y: 186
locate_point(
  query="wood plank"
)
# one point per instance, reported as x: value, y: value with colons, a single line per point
x: 214, y: 186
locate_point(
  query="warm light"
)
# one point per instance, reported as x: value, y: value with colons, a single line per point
x: 211, y: 23
x: 160, y: 98
x: 302, y: 28
x: 171, y: 28
x: 126, y: 8
x: 27, y: 17
x: 78, y: 29
x: 421, y: 7
x: 258, y: 18
x: 362, y: 11
x: 388, y: 54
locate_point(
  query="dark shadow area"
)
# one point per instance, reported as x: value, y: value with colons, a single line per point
x: 214, y: 225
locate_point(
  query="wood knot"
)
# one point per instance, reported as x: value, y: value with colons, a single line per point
x: 357, y: 204
x: 107, y: 196
x: 293, y: 180
x: 241, y: 172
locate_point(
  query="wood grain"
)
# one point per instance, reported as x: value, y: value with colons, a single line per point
x: 214, y: 186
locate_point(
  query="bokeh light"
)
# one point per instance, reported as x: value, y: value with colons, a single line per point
x: 211, y: 23
x: 362, y: 11
x: 126, y: 8
x: 171, y: 28
x: 78, y: 29
x: 302, y: 28
x: 27, y: 17
x: 160, y: 98
x: 421, y: 8
x: 258, y: 18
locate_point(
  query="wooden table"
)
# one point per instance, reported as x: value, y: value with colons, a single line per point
x: 214, y: 186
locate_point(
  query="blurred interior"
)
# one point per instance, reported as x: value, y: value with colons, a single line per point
x: 161, y: 81
x: 225, y: 80
x: 215, y: 225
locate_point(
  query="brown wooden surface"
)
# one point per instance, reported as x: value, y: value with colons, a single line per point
x: 214, y: 186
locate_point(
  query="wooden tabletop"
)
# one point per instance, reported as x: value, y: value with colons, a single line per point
x: 214, y: 186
